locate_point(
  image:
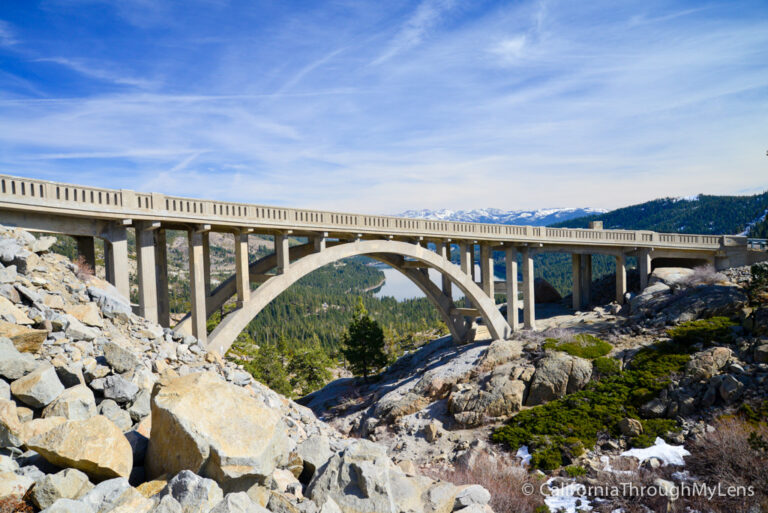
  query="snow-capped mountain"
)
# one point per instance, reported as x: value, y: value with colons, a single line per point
x: 541, y: 217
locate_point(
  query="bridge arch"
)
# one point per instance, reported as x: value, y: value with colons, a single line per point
x: 388, y: 251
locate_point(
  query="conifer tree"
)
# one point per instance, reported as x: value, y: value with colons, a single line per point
x: 363, y: 343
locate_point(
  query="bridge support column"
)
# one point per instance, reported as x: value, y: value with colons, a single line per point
x: 486, y: 270
x: 621, y: 277
x: 282, y: 252
x: 644, y: 266
x: 197, y: 285
x: 319, y: 242
x: 510, y: 258
x: 445, y: 252
x: 466, y: 257
x: 576, y: 275
x: 207, y: 261
x: 242, y: 275
x: 86, y: 249
x: 161, y: 271
x: 585, y: 274
x: 145, y: 261
x: 116, y: 259
x: 529, y: 300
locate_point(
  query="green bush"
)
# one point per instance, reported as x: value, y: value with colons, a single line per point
x: 584, y: 345
x: 715, y: 330
x: 606, y: 366
x: 575, y: 471
x: 551, y: 430
x: 653, y: 428
x: 758, y: 285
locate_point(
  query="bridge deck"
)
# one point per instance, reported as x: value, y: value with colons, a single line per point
x: 26, y: 194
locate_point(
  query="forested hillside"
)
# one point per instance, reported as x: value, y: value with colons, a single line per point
x: 702, y: 214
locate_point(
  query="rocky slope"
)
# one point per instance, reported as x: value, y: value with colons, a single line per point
x: 438, y: 406
x: 103, y: 411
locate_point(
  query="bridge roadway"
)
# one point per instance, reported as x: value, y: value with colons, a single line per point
x: 409, y: 245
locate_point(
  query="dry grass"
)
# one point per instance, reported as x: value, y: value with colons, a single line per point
x: 503, y: 477
x: 729, y: 458
x: 704, y: 275
x: 84, y: 270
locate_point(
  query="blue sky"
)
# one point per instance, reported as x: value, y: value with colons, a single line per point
x: 383, y: 106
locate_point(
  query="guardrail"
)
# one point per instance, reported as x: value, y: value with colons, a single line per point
x: 28, y: 191
x: 761, y: 244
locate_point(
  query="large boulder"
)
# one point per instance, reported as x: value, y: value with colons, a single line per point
x: 24, y: 338
x: 544, y: 292
x: 76, y: 403
x: 12, y: 313
x: 204, y: 424
x: 705, y: 364
x: 95, y: 445
x: 195, y: 494
x: 556, y: 375
x: 87, y: 313
x: 119, y: 357
x: 68, y: 484
x: 651, y: 297
x: 13, y: 364
x: 704, y: 301
x: 112, y: 303
x: 363, y: 479
x: 38, y: 388
x: 670, y: 276
x: 10, y: 426
x: 116, y: 496
x: 13, y: 485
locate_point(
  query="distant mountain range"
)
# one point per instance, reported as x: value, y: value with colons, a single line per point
x: 541, y: 217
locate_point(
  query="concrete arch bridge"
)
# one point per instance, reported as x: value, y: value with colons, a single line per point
x: 412, y: 246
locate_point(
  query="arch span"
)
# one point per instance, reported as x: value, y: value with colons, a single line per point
x: 225, y: 333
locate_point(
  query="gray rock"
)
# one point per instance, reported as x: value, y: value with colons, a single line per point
x: 13, y: 364
x: 472, y: 494
x: 66, y: 484
x: 649, y: 298
x: 71, y: 374
x: 140, y: 407
x: 119, y: 358
x: 704, y: 301
x: 112, y: 304
x: 761, y: 353
x: 238, y: 502
x: 5, y: 390
x: 68, y: 506
x: 8, y: 274
x: 111, y: 410
x: 730, y: 389
x: 654, y: 408
x: 30, y: 295
x: 43, y: 244
x: 705, y: 364
x: 110, y: 494
x: 557, y: 374
x: 195, y: 494
x: 630, y: 427
x: 76, y: 403
x: 167, y: 504
x: 76, y: 330
x: 315, y: 452
x: 119, y: 389
x: 38, y: 388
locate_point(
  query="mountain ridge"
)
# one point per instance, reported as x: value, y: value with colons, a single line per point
x: 535, y: 217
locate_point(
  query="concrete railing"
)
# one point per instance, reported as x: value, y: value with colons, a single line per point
x: 97, y: 202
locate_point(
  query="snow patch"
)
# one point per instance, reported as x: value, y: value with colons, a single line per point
x: 540, y: 217
x: 668, y: 454
x: 569, y: 498
x: 524, y: 455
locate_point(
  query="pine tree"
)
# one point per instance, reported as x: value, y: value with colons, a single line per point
x: 268, y: 367
x: 363, y: 343
x: 310, y: 367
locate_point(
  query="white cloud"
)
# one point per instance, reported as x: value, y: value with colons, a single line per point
x: 509, y: 50
x: 7, y: 36
x: 426, y: 17
x: 100, y: 72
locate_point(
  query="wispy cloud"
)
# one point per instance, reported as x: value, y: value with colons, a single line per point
x: 7, y: 36
x: 426, y: 17
x: 521, y: 104
x: 98, y: 71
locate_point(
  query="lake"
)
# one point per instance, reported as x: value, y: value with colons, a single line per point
x: 401, y: 288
